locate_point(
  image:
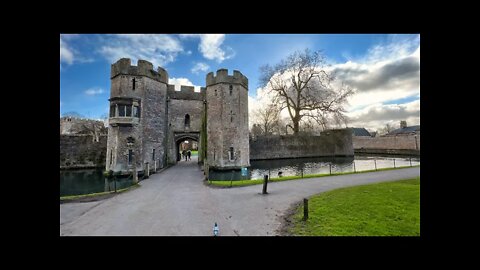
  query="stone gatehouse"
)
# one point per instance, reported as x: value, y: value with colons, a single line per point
x: 149, y: 120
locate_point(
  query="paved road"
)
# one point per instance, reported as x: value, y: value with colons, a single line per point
x: 176, y: 202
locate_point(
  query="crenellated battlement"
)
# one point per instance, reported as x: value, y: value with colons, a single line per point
x: 186, y: 92
x: 223, y: 77
x: 143, y: 68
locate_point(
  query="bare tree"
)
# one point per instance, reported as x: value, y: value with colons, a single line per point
x: 267, y: 118
x: 94, y: 128
x: 302, y: 86
x: 385, y: 130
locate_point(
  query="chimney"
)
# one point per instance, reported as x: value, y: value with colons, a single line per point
x: 403, y: 124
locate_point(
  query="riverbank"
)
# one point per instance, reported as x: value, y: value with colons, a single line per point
x: 242, y: 183
x: 383, y: 209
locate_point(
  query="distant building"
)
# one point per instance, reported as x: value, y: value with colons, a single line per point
x: 404, y: 130
x: 360, y: 132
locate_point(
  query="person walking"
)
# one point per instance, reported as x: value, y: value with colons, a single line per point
x: 189, y: 154
x: 215, y: 229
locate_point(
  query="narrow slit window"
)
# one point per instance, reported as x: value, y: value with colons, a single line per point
x: 111, y: 156
x: 130, y: 154
x: 153, y: 154
x: 231, y: 88
x: 231, y: 154
x: 187, y: 120
x: 133, y: 84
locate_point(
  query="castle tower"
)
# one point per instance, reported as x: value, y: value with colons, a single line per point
x: 137, y: 123
x: 227, y: 120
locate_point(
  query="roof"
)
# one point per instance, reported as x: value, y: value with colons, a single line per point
x: 405, y: 130
x: 360, y: 132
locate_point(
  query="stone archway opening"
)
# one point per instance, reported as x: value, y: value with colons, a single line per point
x: 187, y: 143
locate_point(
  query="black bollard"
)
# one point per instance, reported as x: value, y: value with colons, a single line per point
x: 265, y: 181
x: 305, y: 209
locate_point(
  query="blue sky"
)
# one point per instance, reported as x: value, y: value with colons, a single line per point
x: 388, y: 87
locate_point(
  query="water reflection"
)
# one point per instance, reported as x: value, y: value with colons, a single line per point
x: 319, y: 165
x: 77, y: 182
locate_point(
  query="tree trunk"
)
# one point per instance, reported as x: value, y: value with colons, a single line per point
x: 296, y: 126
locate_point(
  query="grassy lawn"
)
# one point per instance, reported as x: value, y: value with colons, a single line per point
x: 385, y: 209
x: 194, y: 153
x: 241, y: 183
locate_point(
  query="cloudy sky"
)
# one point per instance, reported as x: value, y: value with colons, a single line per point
x: 384, y: 69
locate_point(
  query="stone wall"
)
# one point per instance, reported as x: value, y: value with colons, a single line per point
x: 74, y: 125
x: 329, y: 143
x: 177, y: 110
x: 387, y: 144
x: 81, y: 151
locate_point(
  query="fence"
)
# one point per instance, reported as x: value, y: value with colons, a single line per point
x: 332, y: 168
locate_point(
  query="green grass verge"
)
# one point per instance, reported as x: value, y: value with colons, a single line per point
x: 76, y: 197
x: 241, y: 183
x: 194, y: 153
x: 384, y: 209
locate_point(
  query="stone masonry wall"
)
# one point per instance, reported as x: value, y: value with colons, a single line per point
x: 177, y: 109
x: 227, y: 120
x: 390, y: 142
x: 80, y: 151
x: 329, y: 143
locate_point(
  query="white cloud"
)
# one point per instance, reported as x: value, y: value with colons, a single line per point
x: 200, y: 67
x: 396, y: 47
x: 160, y: 49
x: 210, y: 46
x: 94, y: 91
x: 178, y: 82
x: 378, y: 115
x: 66, y: 54
x: 388, y: 72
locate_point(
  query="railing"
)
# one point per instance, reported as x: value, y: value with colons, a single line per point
x: 351, y: 167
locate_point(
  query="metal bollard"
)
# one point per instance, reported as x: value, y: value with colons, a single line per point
x: 265, y: 181
x: 305, y: 209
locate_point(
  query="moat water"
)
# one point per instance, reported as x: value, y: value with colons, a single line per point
x: 304, y: 166
x: 76, y: 182
x: 86, y: 181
